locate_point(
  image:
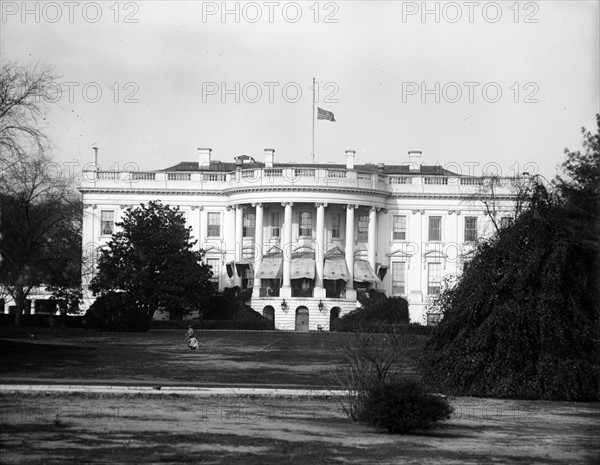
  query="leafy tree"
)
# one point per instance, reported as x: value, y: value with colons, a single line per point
x: 523, y: 321
x: 151, y: 259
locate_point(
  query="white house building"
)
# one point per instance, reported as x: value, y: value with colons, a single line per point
x: 307, y: 237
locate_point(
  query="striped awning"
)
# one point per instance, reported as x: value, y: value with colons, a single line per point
x: 270, y: 269
x: 303, y: 268
x: 335, y: 269
x: 363, y: 273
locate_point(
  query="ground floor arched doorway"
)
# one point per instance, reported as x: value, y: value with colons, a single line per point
x: 302, y: 319
x: 334, y: 314
x: 269, y: 313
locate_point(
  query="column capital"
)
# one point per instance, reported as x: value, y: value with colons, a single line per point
x: 352, y: 207
x: 375, y: 209
x: 320, y: 204
x: 422, y: 212
x: 284, y: 204
x: 257, y: 204
x: 230, y: 207
x: 198, y: 207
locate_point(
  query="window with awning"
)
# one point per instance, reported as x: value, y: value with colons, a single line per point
x: 270, y: 269
x: 335, y: 269
x: 303, y: 268
x: 363, y: 273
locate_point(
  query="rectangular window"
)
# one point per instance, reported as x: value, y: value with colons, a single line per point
x: 363, y: 228
x: 434, y: 278
x: 398, y: 277
x: 305, y: 224
x: 107, y: 222
x: 470, y: 229
x: 506, y: 221
x: 249, y: 224
x: 213, y: 225
x: 336, y: 221
x: 435, y: 228
x: 275, y: 224
x: 399, y: 228
x: 215, y: 264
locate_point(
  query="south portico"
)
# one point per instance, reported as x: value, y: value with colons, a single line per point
x: 301, y: 253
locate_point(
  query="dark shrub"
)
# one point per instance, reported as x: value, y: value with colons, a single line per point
x: 380, y: 315
x: 247, y: 315
x: 116, y: 311
x: 220, y: 307
x: 403, y: 406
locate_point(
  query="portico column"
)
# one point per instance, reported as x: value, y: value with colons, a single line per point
x: 258, y: 242
x: 239, y: 240
x: 350, y: 291
x: 286, y: 288
x: 319, y: 290
x: 372, y: 240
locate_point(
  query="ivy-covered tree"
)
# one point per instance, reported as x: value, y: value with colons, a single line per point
x: 523, y: 319
x: 151, y: 259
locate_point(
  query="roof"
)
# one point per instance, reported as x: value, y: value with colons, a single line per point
x: 215, y: 165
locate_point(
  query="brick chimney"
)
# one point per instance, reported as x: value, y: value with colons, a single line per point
x: 350, y: 159
x: 269, y: 157
x: 204, y: 157
x: 414, y: 160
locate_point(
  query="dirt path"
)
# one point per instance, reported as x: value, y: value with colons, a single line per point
x: 39, y: 429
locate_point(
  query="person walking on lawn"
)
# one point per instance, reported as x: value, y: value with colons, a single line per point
x: 189, y: 334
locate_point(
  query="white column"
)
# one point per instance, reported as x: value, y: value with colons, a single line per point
x: 228, y: 232
x: 350, y: 291
x: 372, y: 240
x: 258, y: 243
x: 286, y: 246
x: 319, y: 290
x: 239, y: 238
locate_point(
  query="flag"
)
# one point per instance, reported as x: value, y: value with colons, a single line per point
x: 324, y: 114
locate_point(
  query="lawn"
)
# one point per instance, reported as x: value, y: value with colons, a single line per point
x: 48, y: 428
x: 160, y: 357
x: 103, y: 429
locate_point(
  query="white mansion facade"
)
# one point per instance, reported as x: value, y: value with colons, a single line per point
x: 307, y: 237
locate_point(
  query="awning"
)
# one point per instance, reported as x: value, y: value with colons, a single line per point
x: 303, y: 268
x: 241, y: 265
x: 363, y: 273
x: 335, y: 269
x: 270, y: 269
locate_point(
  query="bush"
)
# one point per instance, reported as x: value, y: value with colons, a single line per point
x: 247, y: 315
x: 116, y: 311
x: 403, y: 406
x: 382, y: 315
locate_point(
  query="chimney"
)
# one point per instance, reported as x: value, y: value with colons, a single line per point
x: 414, y: 160
x: 269, y: 155
x: 95, y: 157
x: 350, y: 159
x: 204, y: 157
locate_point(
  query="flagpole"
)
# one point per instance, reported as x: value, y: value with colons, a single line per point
x: 313, y: 123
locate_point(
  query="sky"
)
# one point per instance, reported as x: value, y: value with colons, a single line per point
x: 478, y: 87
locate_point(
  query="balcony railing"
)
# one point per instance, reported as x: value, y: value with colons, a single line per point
x: 435, y: 180
x: 400, y: 180
x: 179, y: 176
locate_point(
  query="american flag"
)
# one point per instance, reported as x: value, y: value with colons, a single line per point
x: 324, y: 114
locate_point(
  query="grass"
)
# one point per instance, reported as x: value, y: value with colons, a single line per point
x: 161, y: 357
x: 102, y: 429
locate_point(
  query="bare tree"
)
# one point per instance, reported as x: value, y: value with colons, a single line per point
x: 495, y: 192
x: 24, y: 93
x: 41, y: 228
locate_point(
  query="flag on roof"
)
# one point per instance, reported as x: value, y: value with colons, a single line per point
x: 324, y: 114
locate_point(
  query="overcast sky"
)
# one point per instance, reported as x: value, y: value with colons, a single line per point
x: 507, y: 83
